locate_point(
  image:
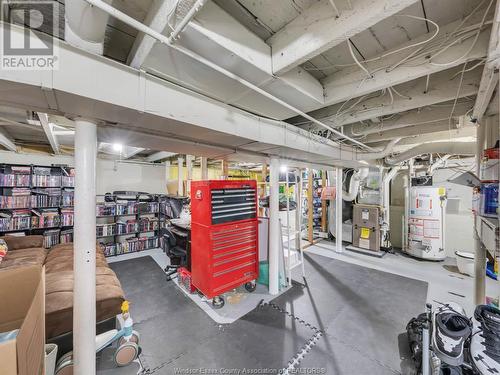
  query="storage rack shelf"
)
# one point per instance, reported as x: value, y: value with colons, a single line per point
x: 34, y: 198
x: 140, y: 208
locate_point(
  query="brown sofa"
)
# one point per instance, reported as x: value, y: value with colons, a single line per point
x: 58, y: 263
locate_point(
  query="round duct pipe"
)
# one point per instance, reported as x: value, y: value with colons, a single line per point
x: 454, y: 148
x: 85, y: 25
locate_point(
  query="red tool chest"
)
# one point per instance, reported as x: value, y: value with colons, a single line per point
x: 224, y: 235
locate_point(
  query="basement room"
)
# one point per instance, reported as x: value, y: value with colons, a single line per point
x: 249, y: 187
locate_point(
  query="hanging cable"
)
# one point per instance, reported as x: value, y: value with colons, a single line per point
x: 356, y: 60
x: 472, y: 45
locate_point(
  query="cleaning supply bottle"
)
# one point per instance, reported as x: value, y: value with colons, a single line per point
x: 128, y: 323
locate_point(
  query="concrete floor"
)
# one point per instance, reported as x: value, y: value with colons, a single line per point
x: 445, y: 282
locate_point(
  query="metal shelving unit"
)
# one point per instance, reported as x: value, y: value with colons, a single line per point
x: 36, y: 181
x: 141, y: 204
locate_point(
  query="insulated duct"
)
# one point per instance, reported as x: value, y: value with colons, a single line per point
x: 454, y: 148
x: 356, y: 179
x: 378, y: 154
x: 85, y: 25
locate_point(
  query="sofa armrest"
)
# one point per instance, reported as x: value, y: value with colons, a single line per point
x: 23, y: 242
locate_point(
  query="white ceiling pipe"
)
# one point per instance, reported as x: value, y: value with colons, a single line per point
x: 187, y: 18
x: 454, y: 148
x: 165, y: 40
x: 378, y: 154
x: 85, y: 26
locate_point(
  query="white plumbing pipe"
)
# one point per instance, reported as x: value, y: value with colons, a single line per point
x: 379, y: 154
x: 165, y: 40
x: 187, y: 18
x: 354, y: 183
x: 338, y: 209
x: 455, y: 148
x: 386, y: 183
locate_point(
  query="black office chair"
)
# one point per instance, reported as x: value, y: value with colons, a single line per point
x: 177, y: 254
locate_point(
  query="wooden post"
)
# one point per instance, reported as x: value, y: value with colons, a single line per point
x: 225, y: 170
x: 323, y: 202
x: 310, y: 208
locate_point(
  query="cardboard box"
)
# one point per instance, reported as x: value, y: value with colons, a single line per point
x: 22, y: 295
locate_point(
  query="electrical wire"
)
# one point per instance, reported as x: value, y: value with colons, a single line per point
x: 470, y: 48
x: 356, y: 59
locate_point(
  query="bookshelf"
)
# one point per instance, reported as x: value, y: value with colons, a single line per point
x: 128, y: 222
x: 37, y: 200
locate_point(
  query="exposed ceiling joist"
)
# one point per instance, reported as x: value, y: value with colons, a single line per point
x: 157, y: 18
x: 489, y: 79
x: 49, y: 133
x: 317, y: 29
x: 441, y: 89
x: 132, y: 151
x: 160, y: 156
x: 354, y: 82
x: 6, y: 142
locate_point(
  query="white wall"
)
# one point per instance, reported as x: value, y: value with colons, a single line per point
x: 110, y: 175
x: 459, y: 226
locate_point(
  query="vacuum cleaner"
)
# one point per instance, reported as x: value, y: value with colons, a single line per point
x: 447, y: 342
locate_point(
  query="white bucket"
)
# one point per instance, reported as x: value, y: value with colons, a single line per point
x: 465, y: 262
x: 50, y: 358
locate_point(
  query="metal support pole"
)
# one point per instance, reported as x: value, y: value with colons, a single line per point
x: 84, y: 255
x: 338, y: 209
x: 204, y: 168
x: 274, y: 226
x: 180, y: 176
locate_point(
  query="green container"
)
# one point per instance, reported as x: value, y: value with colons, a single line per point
x: 263, y: 273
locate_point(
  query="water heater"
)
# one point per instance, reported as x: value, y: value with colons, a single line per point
x: 426, y: 220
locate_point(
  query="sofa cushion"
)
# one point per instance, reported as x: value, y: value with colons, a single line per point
x: 23, y: 242
x: 59, y: 299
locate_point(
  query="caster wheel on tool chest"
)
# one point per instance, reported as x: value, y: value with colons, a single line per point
x: 218, y: 302
x: 251, y: 286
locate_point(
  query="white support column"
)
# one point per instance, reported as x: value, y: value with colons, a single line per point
x: 204, y: 168
x: 180, y: 176
x: 274, y: 226
x: 84, y: 297
x: 189, y: 177
x: 479, y: 249
x: 338, y: 209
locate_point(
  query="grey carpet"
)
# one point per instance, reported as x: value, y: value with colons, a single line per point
x: 363, y: 313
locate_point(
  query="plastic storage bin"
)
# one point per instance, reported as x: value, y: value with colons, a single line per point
x: 489, y: 199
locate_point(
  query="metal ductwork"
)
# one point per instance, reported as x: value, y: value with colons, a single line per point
x: 454, y: 148
x: 85, y: 25
x: 378, y: 154
x: 354, y: 183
